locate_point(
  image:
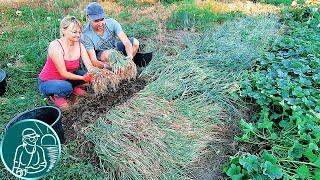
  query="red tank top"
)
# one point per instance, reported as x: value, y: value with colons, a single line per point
x: 50, y: 72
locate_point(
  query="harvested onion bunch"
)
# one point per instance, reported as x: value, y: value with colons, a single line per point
x: 104, y: 80
x: 126, y: 69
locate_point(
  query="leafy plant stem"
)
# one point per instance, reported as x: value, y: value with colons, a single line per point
x: 297, y: 162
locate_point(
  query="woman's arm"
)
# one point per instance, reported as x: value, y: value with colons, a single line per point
x: 85, y: 57
x: 56, y: 54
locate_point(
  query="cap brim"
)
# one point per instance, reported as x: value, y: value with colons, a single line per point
x: 97, y: 16
x: 32, y: 135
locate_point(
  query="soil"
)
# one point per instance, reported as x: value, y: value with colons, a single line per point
x: 88, y: 109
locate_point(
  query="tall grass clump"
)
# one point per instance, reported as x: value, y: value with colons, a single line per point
x: 191, y: 16
x: 169, y: 124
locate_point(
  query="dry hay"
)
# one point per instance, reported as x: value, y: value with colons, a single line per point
x: 9, y: 4
x: 312, y: 2
x: 157, y: 12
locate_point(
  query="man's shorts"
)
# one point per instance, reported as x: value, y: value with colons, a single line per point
x: 120, y: 47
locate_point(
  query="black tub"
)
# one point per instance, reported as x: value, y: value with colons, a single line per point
x: 48, y: 114
x: 3, y: 82
x: 142, y: 59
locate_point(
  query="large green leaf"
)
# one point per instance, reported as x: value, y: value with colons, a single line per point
x: 296, y: 150
x: 269, y: 157
x: 317, y: 174
x: 247, y: 127
x: 233, y: 170
x: 271, y: 170
x: 251, y: 163
x: 303, y: 172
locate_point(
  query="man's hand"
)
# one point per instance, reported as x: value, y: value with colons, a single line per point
x: 129, y: 57
x: 107, y: 66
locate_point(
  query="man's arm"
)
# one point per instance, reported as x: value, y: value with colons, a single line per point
x: 127, y: 44
x: 123, y: 38
x: 89, y: 46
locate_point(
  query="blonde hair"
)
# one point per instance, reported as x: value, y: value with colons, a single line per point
x: 67, y: 21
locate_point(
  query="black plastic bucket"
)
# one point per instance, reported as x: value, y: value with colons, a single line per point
x: 142, y: 59
x: 48, y: 114
x: 3, y: 82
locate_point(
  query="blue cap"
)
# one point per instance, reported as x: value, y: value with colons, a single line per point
x: 95, y: 11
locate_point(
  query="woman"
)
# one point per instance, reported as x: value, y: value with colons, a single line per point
x: 61, y: 75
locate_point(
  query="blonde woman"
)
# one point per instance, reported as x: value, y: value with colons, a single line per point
x: 61, y: 75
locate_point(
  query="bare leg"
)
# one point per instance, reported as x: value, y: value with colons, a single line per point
x: 105, y: 59
x: 105, y: 56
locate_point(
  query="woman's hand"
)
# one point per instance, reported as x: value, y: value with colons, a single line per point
x: 88, y: 77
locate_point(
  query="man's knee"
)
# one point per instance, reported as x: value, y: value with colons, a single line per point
x: 135, y: 43
x: 104, y: 55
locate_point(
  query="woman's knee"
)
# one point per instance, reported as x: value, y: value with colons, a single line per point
x: 56, y: 87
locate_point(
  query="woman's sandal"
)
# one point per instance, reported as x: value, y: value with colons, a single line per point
x: 79, y: 92
x: 60, y: 102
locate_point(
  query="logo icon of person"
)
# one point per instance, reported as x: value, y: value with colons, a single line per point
x: 29, y: 157
x: 32, y: 152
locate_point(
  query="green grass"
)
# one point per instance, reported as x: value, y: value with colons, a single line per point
x: 276, y: 2
x: 73, y: 167
x: 128, y: 3
x: 22, y: 54
x: 190, y: 16
x: 144, y: 27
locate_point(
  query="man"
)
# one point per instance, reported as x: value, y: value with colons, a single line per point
x: 100, y: 34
